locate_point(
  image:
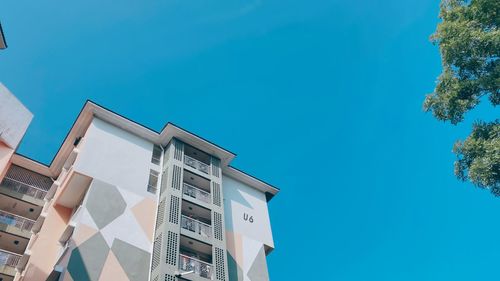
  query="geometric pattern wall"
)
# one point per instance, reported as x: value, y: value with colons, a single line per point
x: 112, y: 240
x: 246, y: 259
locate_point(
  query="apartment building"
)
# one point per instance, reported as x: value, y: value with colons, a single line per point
x: 120, y: 201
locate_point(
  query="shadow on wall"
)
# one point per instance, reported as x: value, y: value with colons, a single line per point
x: 63, y: 212
x: 236, y: 197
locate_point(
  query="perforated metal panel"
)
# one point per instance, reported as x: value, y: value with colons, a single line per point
x: 178, y: 146
x: 220, y: 273
x: 164, y: 181
x: 215, y: 167
x: 216, y: 194
x: 174, y: 209
x: 176, y: 177
x: 160, y: 216
x: 218, y: 226
x: 172, y: 248
x: 28, y: 177
x: 156, y: 252
x: 171, y: 201
x: 166, y: 156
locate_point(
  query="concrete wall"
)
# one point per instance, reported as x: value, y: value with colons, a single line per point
x: 44, y: 247
x: 115, y: 156
x: 248, y: 231
x: 112, y: 239
x: 14, y: 118
x: 115, y: 232
x: 114, y: 227
x: 5, y: 155
x: 14, y: 121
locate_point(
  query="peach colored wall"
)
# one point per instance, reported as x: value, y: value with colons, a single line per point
x: 5, y: 155
x: 45, y: 250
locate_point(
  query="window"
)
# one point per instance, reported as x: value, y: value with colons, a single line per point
x: 155, y: 159
x: 153, y: 181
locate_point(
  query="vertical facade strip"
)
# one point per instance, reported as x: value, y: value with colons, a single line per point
x: 170, y: 197
x: 172, y: 229
x: 219, y: 241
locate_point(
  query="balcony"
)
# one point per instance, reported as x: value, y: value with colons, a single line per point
x: 197, y: 267
x: 55, y: 185
x: 70, y: 228
x: 8, y: 262
x: 196, y: 226
x: 12, y: 186
x: 16, y: 224
x: 26, y: 185
x: 195, y: 257
x: 196, y: 193
x: 196, y: 222
x: 43, y: 215
x: 63, y: 252
x: 196, y: 159
x: 196, y: 164
x: 196, y: 189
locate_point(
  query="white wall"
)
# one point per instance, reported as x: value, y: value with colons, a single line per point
x: 241, y: 199
x: 116, y: 157
x: 14, y: 118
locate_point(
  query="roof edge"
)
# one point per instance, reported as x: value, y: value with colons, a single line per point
x: 31, y: 164
x: 254, y: 182
x: 92, y: 110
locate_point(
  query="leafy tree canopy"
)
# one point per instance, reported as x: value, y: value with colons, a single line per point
x: 469, y: 43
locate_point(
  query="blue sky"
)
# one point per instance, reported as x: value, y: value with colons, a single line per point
x: 323, y: 99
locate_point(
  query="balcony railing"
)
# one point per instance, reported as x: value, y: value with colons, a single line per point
x: 205, y: 168
x: 23, y: 188
x: 9, y: 259
x: 16, y: 221
x: 200, y: 268
x: 196, y: 226
x: 193, y: 191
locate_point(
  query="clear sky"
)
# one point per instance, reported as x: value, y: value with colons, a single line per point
x: 321, y: 98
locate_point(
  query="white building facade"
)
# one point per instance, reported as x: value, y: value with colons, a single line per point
x: 125, y: 202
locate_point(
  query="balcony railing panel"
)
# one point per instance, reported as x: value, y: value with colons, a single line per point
x: 29, y: 177
x: 193, y: 191
x: 16, y: 221
x: 200, y: 268
x: 23, y: 188
x: 9, y: 259
x: 196, y: 226
x: 205, y: 168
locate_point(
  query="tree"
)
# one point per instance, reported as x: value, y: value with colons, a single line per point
x: 469, y: 43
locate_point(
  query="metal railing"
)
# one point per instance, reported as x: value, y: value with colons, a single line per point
x: 200, y: 268
x: 16, y: 221
x: 196, y: 226
x: 23, y: 188
x: 195, y: 192
x: 9, y: 259
x: 197, y: 164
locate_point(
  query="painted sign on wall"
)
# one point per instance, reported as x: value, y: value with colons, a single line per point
x: 248, y: 231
